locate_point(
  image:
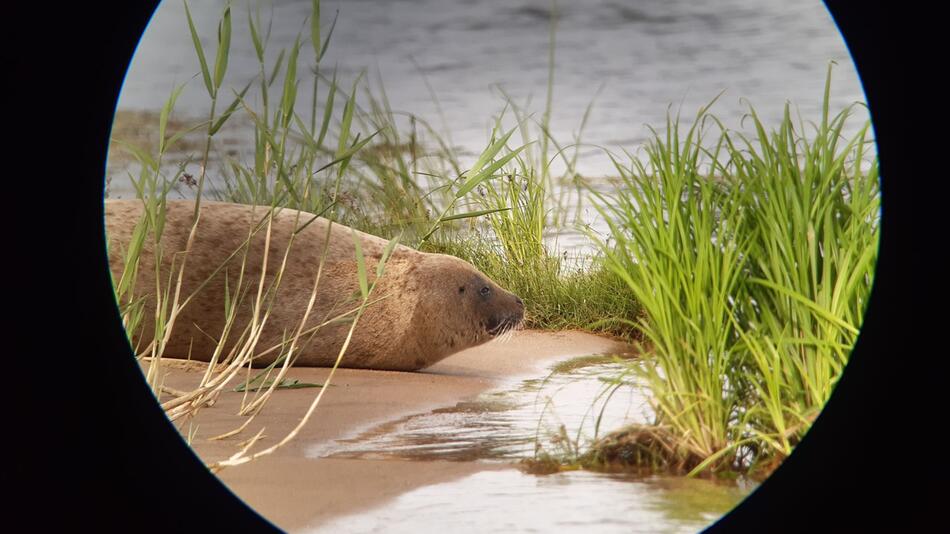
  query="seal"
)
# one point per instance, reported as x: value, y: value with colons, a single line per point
x: 424, y: 308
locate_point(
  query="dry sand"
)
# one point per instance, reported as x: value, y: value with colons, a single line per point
x: 294, y: 491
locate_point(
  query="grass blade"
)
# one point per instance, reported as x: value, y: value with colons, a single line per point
x: 205, y: 74
x: 360, y: 265
x: 255, y: 38
x: 163, y: 117
x: 327, y: 112
x: 227, y: 113
x: 485, y: 174
x: 472, y: 214
x: 385, y: 257
x: 224, y: 48
x: 289, y: 96
x: 178, y: 135
x: 326, y: 42
x: 315, y: 29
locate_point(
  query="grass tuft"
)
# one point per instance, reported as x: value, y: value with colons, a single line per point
x: 753, y: 261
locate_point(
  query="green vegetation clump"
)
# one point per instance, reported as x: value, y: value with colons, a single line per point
x: 753, y: 261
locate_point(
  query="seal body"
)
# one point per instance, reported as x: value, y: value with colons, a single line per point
x: 424, y: 307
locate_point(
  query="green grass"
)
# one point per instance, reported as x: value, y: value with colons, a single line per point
x: 679, y: 259
x: 743, y: 264
x: 753, y: 260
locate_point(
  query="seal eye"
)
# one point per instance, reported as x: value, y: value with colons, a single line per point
x: 485, y: 291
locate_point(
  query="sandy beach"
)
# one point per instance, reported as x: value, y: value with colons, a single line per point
x: 294, y: 490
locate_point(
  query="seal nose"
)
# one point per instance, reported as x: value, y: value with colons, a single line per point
x: 519, y: 301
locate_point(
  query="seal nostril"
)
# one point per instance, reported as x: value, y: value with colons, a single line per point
x: 519, y: 301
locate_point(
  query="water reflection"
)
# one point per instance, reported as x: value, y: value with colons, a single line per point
x: 563, y: 410
x: 511, y: 501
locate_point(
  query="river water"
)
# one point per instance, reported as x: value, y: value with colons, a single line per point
x: 636, y: 57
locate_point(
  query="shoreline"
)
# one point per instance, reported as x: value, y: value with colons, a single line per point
x: 294, y: 491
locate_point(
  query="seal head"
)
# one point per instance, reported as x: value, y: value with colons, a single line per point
x: 458, y: 307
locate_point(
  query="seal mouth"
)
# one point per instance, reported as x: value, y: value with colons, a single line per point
x: 504, y: 325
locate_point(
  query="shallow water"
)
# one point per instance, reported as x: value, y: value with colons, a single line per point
x: 578, y: 501
x: 501, y: 426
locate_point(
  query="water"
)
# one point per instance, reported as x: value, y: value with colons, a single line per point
x: 573, y: 502
x: 501, y: 426
x: 646, y: 54
x: 634, y: 60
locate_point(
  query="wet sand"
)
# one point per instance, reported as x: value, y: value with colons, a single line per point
x: 294, y: 491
